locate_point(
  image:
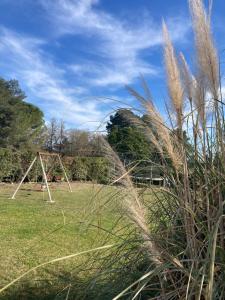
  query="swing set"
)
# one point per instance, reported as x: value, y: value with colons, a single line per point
x: 43, y: 157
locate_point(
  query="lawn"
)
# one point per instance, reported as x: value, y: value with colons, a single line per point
x: 34, y: 231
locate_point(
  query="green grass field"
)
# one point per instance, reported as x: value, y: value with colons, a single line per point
x: 34, y: 231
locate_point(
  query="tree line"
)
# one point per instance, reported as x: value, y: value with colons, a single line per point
x: 24, y: 131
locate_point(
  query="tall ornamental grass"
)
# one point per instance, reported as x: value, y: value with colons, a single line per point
x: 186, y: 246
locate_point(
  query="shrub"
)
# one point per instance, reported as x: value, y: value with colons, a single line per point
x: 99, y: 170
x: 90, y: 168
x: 79, y: 169
x: 10, y: 164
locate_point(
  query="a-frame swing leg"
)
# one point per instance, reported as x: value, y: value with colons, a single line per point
x: 64, y: 171
x: 45, y: 179
x: 25, y: 175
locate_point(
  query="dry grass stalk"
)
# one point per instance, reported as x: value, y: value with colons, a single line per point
x: 206, y: 51
x: 147, y: 130
x: 207, y: 60
x: 178, y: 159
x: 176, y: 95
x: 199, y: 93
x: 131, y: 203
x: 191, y: 88
x: 173, y: 76
x: 164, y: 138
x: 187, y: 78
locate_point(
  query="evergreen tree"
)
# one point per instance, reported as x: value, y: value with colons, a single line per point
x: 21, y: 123
x: 127, y: 139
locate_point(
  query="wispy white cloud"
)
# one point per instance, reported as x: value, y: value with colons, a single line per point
x: 119, y: 44
x: 119, y: 47
x: 112, y: 73
x: 24, y: 59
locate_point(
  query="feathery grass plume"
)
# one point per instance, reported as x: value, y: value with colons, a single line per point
x: 199, y: 93
x: 195, y: 92
x: 131, y: 203
x: 187, y: 78
x: 208, y: 61
x: 173, y: 76
x: 165, y: 139
x: 146, y: 130
x: 206, y: 52
x: 191, y: 89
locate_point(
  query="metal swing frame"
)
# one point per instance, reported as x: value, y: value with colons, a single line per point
x: 39, y: 156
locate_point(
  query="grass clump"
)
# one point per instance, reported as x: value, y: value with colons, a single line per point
x: 185, y: 249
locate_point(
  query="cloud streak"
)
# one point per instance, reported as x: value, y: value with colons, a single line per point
x: 45, y: 82
x: 119, y: 44
x: 119, y: 51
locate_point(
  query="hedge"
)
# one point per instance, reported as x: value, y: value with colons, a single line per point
x: 14, y: 164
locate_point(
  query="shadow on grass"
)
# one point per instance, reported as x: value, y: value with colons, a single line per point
x: 67, y: 287
x: 63, y: 287
x: 71, y: 290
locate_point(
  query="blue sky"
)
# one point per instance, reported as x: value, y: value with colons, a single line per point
x: 72, y: 56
